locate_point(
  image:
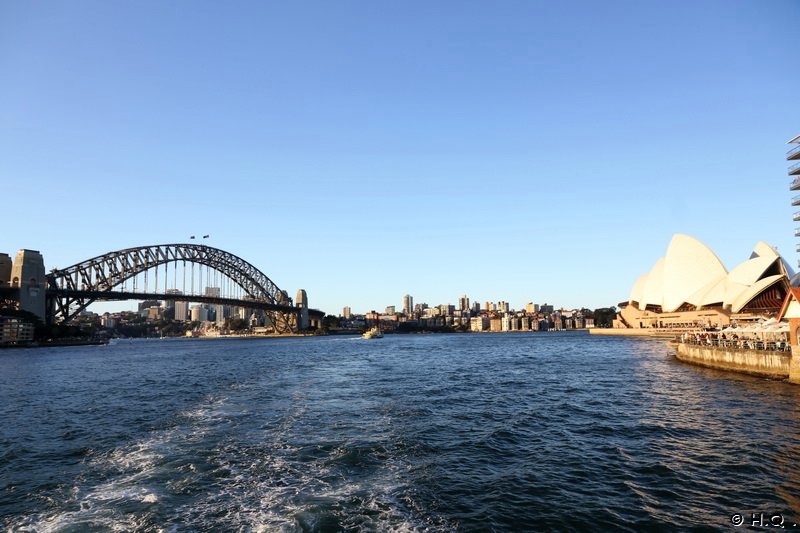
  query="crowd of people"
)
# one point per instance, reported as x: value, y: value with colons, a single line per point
x: 776, y: 341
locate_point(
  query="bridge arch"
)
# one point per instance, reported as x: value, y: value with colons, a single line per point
x: 79, y: 285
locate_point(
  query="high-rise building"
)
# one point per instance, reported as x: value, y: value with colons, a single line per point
x: 479, y: 323
x: 408, y: 304
x: 181, y: 311
x: 389, y: 310
x: 346, y: 312
x: 181, y: 308
x: 216, y: 310
x: 463, y: 303
x: 199, y: 313
x: 531, y: 308
x: 145, y: 305
x: 794, y: 170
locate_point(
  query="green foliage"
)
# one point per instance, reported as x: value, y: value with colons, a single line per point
x: 330, y: 322
x: 238, y: 324
x: 604, y: 317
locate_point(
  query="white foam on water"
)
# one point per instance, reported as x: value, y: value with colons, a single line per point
x: 272, y: 491
x: 139, y: 467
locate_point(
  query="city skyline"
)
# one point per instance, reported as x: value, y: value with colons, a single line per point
x: 365, y: 152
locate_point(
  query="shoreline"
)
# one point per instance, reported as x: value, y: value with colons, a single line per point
x: 768, y: 364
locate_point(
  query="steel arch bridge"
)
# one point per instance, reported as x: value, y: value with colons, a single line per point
x: 71, y: 290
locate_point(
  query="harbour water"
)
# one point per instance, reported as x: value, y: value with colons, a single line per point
x: 529, y: 431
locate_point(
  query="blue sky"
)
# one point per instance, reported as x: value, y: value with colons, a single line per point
x: 518, y: 151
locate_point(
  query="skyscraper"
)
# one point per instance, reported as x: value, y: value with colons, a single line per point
x: 794, y: 170
x: 181, y: 308
x: 219, y: 312
x: 408, y: 304
x: 181, y: 311
x: 463, y: 303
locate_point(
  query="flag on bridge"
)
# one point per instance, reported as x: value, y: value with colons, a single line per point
x: 192, y: 237
x: 206, y: 236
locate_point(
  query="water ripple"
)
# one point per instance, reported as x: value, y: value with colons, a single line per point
x: 409, y: 433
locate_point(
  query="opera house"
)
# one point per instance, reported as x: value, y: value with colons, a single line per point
x: 690, y: 287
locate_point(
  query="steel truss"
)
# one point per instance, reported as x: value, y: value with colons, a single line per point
x: 73, y: 289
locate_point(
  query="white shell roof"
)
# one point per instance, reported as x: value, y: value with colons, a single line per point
x: 690, y: 272
x: 653, y: 292
x: 754, y: 291
x: 638, y: 289
x: 763, y: 249
x: 751, y: 270
x: 732, y: 292
x: 712, y: 293
x: 689, y: 266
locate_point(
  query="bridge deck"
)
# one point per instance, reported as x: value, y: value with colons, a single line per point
x: 127, y: 295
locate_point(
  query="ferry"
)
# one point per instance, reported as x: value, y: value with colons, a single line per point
x: 373, y: 333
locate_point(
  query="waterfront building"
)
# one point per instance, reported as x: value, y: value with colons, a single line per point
x: 408, y: 304
x: 180, y: 308
x: 14, y: 330
x: 430, y: 312
x: 347, y: 313
x: 199, y: 313
x: 546, y: 309
x: 531, y: 308
x: 215, y: 311
x: 794, y: 170
x: 690, y: 287
x: 181, y: 311
x: 144, y: 306
x: 107, y: 321
x: 389, y: 310
x: 479, y: 323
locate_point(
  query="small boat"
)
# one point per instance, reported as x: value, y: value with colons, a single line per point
x: 373, y: 333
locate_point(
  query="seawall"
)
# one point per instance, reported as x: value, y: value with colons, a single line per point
x: 771, y: 364
x: 635, y: 332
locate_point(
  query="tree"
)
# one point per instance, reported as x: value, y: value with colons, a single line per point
x: 330, y: 322
x: 238, y: 324
x: 604, y: 317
